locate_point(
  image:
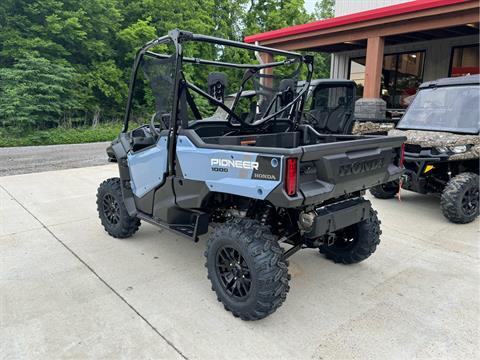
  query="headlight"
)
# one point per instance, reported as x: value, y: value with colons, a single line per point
x: 458, y: 149
x: 442, y: 149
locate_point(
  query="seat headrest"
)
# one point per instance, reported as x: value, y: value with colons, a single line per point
x: 287, y: 91
x: 217, y: 85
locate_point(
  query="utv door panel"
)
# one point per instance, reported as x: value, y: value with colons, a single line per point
x: 148, y: 167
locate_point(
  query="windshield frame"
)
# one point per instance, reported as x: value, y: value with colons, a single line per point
x: 432, y: 127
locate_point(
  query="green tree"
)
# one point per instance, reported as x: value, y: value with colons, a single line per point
x: 265, y: 15
x: 134, y: 36
x: 78, y: 53
x: 81, y: 34
x: 36, y: 91
x: 324, y: 9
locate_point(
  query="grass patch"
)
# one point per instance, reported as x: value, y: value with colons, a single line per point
x: 103, y: 132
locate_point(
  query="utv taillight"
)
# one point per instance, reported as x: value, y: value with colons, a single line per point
x: 291, y: 177
x: 402, y: 156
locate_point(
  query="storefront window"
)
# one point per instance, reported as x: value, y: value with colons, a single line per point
x: 357, y: 74
x: 401, y: 76
x: 464, y: 60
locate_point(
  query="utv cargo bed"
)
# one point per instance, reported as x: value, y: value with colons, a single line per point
x: 329, y: 166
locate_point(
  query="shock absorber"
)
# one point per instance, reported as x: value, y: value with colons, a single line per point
x: 267, y: 214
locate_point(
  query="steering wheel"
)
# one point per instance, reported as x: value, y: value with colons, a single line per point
x: 153, y: 129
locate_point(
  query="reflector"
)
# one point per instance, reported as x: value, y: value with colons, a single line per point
x: 291, y: 177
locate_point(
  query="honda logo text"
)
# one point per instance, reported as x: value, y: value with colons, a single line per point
x: 360, y: 167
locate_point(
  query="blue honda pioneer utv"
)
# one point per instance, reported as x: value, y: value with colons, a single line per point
x: 263, y: 181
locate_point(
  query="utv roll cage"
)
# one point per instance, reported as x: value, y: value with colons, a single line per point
x: 181, y: 86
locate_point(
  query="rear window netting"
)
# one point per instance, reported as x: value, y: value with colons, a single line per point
x: 160, y: 74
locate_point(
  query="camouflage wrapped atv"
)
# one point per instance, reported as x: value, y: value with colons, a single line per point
x: 372, y: 127
x: 443, y: 146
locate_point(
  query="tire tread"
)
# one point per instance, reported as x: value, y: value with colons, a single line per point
x: 272, y: 269
x: 449, y: 202
x: 369, y: 239
x: 128, y: 225
x: 380, y: 193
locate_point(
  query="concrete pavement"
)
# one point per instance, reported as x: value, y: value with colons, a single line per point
x: 67, y: 289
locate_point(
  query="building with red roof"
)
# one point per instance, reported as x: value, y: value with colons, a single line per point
x: 390, y: 50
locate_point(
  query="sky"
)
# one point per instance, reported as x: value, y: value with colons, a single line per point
x: 310, y: 5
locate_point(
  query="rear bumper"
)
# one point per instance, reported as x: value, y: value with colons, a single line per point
x: 337, y: 216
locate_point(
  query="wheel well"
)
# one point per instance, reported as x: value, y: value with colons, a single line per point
x: 467, y: 166
x: 224, y: 207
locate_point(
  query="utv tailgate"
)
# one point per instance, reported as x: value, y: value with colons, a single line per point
x: 334, y: 169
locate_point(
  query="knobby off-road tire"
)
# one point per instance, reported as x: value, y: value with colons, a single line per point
x: 244, y: 252
x: 112, y: 211
x: 355, y: 243
x: 385, y: 191
x: 460, y: 198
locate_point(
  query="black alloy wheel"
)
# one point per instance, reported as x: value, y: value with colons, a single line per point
x: 111, y: 209
x: 234, y: 273
x: 470, y: 202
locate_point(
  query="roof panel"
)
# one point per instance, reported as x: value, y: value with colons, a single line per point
x: 403, y: 8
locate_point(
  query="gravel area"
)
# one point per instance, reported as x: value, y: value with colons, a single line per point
x: 30, y: 159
